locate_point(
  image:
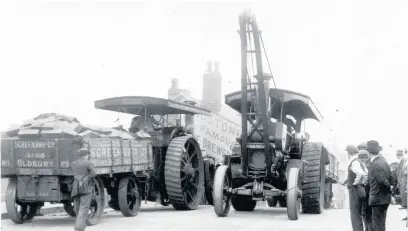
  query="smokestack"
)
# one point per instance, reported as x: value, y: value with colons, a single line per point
x: 174, y: 90
x: 212, y: 89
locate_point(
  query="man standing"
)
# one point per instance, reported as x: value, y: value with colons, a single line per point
x: 355, y: 185
x: 364, y: 157
x: 401, y: 180
x: 379, y: 177
x: 84, y: 172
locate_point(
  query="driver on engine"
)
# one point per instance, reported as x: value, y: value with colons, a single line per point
x: 141, y: 124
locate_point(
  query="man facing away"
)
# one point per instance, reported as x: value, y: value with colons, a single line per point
x: 84, y: 172
x: 355, y: 184
x: 379, y: 176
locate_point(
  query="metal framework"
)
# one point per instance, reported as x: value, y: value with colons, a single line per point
x: 251, y: 44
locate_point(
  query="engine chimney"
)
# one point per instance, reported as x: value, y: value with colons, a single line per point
x: 211, y: 95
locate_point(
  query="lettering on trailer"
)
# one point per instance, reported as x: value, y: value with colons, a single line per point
x: 215, y: 134
x: 24, y: 163
x: 108, y: 156
x: 5, y: 163
x: 35, y: 144
x: 34, y: 153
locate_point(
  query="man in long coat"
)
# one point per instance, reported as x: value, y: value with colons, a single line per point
x: 379, y: 177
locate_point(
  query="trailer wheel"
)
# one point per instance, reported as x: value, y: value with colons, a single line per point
x: 209, y: 180
x: 293, y: 194
x: 97, y: 202
x: 129, y: 197
x: 19, y: 212
x: 184, y: 173
x: 69, y: 209
x: 221, y: 194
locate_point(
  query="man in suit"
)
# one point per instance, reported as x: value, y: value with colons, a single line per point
x: 84, y: 172
x: 356, y: 178
x: 379, y: 177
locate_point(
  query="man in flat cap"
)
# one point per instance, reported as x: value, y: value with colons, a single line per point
x: 84, y: 172
x: 379, y: 178
x: 356, y: 175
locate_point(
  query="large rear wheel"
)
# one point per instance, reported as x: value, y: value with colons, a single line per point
x: 221, y: 194
x: 313, y: 188
x: 184, y: 173
x: 19, y: 212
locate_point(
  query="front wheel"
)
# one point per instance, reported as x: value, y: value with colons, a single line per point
x: 293, y: 195
x: 221, y: 193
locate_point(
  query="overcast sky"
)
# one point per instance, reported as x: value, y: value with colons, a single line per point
x: 349, y: 56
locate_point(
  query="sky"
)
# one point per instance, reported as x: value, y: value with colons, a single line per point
x: 349, y: 56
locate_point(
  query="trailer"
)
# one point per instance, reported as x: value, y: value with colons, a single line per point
x: 165, y: 166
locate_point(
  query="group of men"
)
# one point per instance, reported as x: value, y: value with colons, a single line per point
x: 370, y: 182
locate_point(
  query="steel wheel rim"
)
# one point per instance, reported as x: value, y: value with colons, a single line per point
x: 189, y: 172
x: 225, y: 195
x: 24, y: 212
x: 96, y: 195
x: 132, y: 195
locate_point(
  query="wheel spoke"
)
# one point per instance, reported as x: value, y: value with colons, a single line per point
x: 192, y: 156
x: 183, y: 158
x: 188, y: 146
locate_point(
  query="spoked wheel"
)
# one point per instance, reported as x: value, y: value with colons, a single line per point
x: 69, y: 209
x: 97, y: 202
x: 221, y: 194
x: 184, y: 173
x: 209, y: 180
x: 19, y: 212
x: 129, y: 197
x: 293, y: 195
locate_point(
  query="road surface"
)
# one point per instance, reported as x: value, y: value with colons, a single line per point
x: 158, y: 218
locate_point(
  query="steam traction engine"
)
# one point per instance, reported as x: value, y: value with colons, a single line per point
x: 270, y: 158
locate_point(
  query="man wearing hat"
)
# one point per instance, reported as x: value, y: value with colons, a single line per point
x: 379, y: 177
x: 84, y: 172
x: 356, y: 176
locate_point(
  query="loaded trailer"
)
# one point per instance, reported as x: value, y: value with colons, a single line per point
x: 163, y: 164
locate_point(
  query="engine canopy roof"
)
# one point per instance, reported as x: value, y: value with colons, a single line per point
x: 155, y: 106
x: 295, y: 104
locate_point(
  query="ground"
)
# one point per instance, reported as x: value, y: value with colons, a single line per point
x: 152, y: 218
